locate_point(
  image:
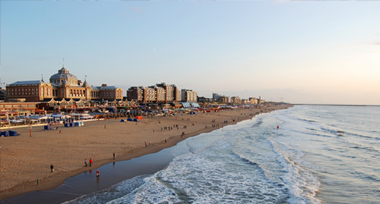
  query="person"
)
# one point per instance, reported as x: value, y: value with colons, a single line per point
x: 38, y: 182
x: 97, y: 173
x: 85, y: 162
x: 60, y: 131
x: 114, y: 155
x: 146, y: 144
x: 166, y: 141
x: 90, y: 161
x: 105, y: 126
x: 51, y: 167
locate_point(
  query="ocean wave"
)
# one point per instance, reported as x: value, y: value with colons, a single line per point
x: 303, y: 185
x: 110, y: 194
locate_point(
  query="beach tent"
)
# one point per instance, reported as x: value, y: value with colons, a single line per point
x: 186, y: 105
x: 195, y: 105
x: 129, y: 119
x: 59, y: 117
x: 47, y: 127
x: 122, y: 120
x: 135, y: 120
x: 139, y: 117
x: 43, y: 118
x: 86, y: 117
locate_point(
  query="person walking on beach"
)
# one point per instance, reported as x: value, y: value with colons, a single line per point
x: 97, y: 173
x: 51, y: 167
x: 85, y: 162
x: 90, y: 161
x: 114, y: 155
x: 38, y: 182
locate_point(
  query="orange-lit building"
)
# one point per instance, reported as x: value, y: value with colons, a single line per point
x: 63, y: 85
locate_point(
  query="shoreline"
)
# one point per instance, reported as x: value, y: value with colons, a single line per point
x: 57, y: 178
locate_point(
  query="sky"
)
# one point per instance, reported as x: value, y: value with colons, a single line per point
x: 320, y: 52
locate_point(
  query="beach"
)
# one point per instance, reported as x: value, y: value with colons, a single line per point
x: 25, y: 159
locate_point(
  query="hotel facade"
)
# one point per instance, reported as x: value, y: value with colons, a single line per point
x: 62, y: 85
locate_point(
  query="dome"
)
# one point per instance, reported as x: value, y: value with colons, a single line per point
x: 64, y: 77
x: 85, y: 84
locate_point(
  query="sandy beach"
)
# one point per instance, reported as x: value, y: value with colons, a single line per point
x: 24, y: 159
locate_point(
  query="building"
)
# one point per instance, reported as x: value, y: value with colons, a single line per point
x: 105, y: 92
x: 135, y: 93
x: 150, y: 95
x: 172, y: 92
x: 63, y: 85
x: 159, y: 93
x: 2, y: 94
x: 189, y: 95
x: 236, y: 100
x: 224, y: 99
x: 18, y: 106
x: 215, y: 97
x: 177, y: 94
x: 253, y: 100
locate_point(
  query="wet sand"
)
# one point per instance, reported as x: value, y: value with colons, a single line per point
x: 24, y: 159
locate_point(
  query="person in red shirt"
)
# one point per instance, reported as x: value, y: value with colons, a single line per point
x: 90, y: 161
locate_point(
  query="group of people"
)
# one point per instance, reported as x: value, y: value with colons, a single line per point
x: 85, y: 162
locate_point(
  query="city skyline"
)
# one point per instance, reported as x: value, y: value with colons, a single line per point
x: 296, y: 52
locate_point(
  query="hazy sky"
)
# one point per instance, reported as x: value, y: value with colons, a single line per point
x: 298, y: 52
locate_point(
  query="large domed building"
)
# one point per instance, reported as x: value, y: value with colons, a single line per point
x: 63, y: 85
x: 63, y: 77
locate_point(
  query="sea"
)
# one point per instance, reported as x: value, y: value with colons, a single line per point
x: 304, y: 154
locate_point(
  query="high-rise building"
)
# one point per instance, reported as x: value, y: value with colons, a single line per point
x: 189, y: 95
